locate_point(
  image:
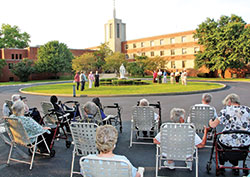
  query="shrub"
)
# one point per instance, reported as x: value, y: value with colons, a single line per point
x: 202, y: 75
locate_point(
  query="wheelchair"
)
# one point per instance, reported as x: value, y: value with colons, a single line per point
x: 71, y: 107
x: 228, y: 154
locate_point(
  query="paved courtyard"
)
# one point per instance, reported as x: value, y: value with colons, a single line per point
x: 139, y: 155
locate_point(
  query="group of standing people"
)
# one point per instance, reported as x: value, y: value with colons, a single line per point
x: 174, y: 77
x: 80, y: 79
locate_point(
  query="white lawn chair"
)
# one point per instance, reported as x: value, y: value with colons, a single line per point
x: 48, y: 118
x: 200, y: 116
x: 142, y: 120
x: 83, y: 135
x: 177, y: 144
x: 108, y: 167
x: 19, y: 136
x: 2, y: 136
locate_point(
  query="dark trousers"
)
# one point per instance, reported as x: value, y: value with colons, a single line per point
x: 77, y: 85
x: 82, y: 85
x: 233, y: 157
x: 48, y: 139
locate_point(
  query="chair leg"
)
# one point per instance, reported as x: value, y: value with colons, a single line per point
x: 157, y: 162
x: 131, y: 135
x: 196, y: 161
x: 46, y: 144
x: 72, y: 163
x: 11, y: 148
x: 33, y: 155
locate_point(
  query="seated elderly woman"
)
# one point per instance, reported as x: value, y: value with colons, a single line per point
x: 31, y: 126
x: 145, y: 102
x: 91, y: 113
x: 106, y: 138
x: 177, y: 115
x: 233, y: 117
x: 6, y: 108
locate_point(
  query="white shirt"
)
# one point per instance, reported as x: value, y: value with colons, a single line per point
x: 197, y: 139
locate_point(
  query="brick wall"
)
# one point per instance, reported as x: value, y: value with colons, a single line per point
x: 12, y: 56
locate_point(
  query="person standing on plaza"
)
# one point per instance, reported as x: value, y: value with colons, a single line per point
x: 165, y: 76
x: 154, y: 77
x: 184, y: 77
x: 159, y: 76
x: 172, y: 77
x: 177, y: 76
x: 91, y: 79
x: 77, y: 80
x: 83, y: 79
x: 96, y: 79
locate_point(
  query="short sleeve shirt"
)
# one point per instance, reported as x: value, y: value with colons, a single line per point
x: 235, y: 118
x: 31, y: 126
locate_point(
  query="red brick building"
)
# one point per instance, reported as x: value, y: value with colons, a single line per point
x: 12, y: 56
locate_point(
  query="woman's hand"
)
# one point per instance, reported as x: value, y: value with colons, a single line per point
x: 46, y: 128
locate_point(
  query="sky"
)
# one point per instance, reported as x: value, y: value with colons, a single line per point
x: 80, y: 23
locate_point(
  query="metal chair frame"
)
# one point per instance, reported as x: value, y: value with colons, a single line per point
x: 177, y: 144
x: 143, y: 120
x: 83, y: 135
x: 19, y: 136
x: 108, y: 167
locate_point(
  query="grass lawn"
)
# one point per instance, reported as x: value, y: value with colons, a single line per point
x: 123, y: 90
x: 62, y: 78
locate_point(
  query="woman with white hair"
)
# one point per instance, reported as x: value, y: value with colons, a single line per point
x: 31, y: 126
x: 106, y: 138
x: 233, y: 117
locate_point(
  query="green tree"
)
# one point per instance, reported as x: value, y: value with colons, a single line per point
x: 139, y: 66
x: 103, y: 52
x: 85, y: 62
x: 11, y: 37
x: 225, y: 42
x: 23, y: 69
x: 54, y: 57
x: 114, y: 61
x: 2, y: 64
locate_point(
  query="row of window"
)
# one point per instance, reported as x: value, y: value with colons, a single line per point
x: 161, y: 42
x: 172, y: 52
x: 183, y: 64
x: 16, y: 56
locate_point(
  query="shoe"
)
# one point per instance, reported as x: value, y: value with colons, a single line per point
x: 171, y: 166
x: 151, y: 134
x: 189, y: 164
x: 209, y: 136
x: 236, y: 172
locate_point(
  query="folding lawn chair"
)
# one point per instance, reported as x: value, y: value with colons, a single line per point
x: 177, y: 144
x: 108, y: 167
x: 200, y: 116
x: 142, y: 120
x: 19, y: 136
x: 83, y: 135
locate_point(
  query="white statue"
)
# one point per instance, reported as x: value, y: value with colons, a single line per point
x: 122, y: 71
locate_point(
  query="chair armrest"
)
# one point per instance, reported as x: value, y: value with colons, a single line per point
x: 34, y: 136
x: 141, y: 171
